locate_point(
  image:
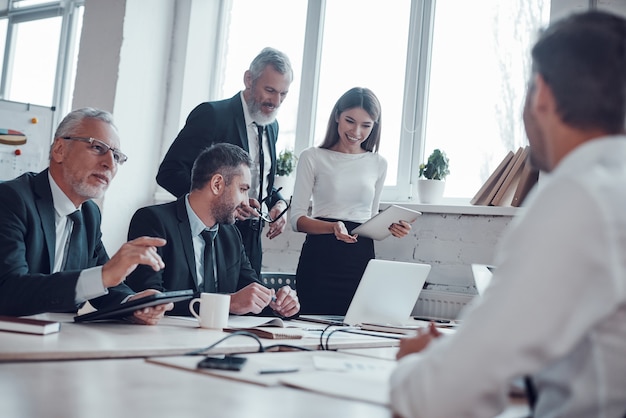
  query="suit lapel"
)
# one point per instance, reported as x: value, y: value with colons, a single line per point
x: 186, y: 239
x: 45, y: 207
x: 240, y: 121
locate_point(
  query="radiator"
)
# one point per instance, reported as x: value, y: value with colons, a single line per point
x: 440, y: 304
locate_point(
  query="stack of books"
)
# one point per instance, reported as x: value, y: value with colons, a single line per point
x: 28, y: 325
x: 510, y: 182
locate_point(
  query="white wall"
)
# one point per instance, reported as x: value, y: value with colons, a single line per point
x: 133, y: 89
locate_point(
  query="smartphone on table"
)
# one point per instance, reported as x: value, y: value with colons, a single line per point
x: 222, y: 363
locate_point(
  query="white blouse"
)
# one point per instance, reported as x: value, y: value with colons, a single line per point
x: 341, y: 186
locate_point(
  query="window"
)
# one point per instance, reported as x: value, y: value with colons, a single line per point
x: 365, y: 59
x: 449, y: 74
x: 252, y: 26
x: 40, y: 44
x: 33, y: 81
x: 480, y: 65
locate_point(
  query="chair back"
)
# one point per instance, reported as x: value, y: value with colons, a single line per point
x: 276, y: 280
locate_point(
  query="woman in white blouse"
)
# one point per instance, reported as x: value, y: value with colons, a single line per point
x: 343, y: 178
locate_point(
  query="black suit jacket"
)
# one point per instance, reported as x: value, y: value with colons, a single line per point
x: 207, y: 124
x: 170, y: 221
x: 27, y: 246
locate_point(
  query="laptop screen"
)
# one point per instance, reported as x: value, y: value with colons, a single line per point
x: 387, y: 292
x: 386, y: 295
x: 482, y: 276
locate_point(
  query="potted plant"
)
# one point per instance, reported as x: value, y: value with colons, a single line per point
x: 431, y: 182
x: 285, y: 166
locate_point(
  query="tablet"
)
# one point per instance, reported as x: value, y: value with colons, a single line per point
x: 378, y: 227
x: 126, y: 309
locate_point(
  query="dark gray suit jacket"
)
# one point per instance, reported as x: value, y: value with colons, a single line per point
x: 207, y: 124
x: 170, y: 221
x: 27, y: 246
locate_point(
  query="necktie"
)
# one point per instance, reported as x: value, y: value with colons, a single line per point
x: 76, y: 249
x: 261, y: 160
x: 209, y: 283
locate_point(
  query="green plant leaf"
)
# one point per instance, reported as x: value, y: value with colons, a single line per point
x: 436, y: 167
x: 286, y: 162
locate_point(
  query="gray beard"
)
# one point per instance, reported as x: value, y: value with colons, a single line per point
x: 258, y: 116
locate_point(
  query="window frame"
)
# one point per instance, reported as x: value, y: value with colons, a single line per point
x: 68, y: 10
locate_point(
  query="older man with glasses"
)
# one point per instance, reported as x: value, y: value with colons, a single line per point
x: 53, y: 259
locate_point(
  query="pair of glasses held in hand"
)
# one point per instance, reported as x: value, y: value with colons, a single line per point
x: 264, y: 215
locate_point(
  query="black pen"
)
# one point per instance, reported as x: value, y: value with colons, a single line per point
x: 438, y: 321
x: 272, y: 371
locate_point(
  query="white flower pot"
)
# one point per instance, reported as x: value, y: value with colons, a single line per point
x: 430, y: 191
x: 287, y: 183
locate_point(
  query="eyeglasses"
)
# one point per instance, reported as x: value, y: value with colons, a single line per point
x: 100, y: 148
x: 264, y: 215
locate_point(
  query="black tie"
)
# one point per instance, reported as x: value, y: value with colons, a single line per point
x: 209, y: 284
x: 76, y: 249
x: 261, y: 160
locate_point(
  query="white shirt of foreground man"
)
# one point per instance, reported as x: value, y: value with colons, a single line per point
x: 556, y: 306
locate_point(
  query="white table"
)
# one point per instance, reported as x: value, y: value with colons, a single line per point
x: 135, y: 388
x: 171, y: 336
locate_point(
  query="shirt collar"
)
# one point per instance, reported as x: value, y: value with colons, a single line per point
x: 605, y: 149
x: 62, y: 204
x: 196, y: 224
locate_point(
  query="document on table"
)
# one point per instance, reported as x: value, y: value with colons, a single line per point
x: 359, y: 379
x: 264, y: 327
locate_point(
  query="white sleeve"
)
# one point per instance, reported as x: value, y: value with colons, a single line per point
x: 380, y: 183
x: 525, y: 319
x: 303, y: 188
x: 89, y: 285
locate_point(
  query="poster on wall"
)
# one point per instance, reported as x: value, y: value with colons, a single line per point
x: 25, y: 137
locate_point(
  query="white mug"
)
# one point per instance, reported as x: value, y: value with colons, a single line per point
x: 214, y: 309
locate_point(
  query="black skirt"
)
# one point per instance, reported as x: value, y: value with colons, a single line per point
x: 329, y: 272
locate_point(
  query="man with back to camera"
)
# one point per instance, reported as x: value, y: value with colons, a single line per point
x: 53, y: 258
x: 556, y: 307
x: 220, y: 181
x: 240, y: 120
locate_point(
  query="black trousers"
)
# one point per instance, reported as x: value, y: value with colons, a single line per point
x: 251, y: 230
x: 329, y: 272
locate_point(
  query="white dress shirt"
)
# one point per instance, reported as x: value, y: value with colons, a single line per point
x: 253, y: 147
x: 89, y: 284
x: 555, y: 309
x: 197, y: 226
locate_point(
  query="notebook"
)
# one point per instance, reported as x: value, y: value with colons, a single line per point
x: 482, y: 276
x: 387, y: 293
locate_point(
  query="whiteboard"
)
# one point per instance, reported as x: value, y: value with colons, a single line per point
x: 35, y: 122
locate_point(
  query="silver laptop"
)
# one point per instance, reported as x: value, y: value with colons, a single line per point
x: 482, y: 276
x: 387, y: 293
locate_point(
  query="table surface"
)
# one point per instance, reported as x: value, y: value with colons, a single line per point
x: 103, y: 376
x: 172, y: 336
x: 135, y: 388
x: 144, y: 389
